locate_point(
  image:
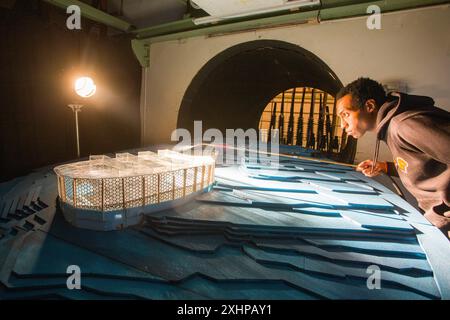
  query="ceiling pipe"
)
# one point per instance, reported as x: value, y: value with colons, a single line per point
x: 291, y: 5
x: 328, y: 10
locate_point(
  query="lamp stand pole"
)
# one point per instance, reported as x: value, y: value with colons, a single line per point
x: 76, y: 108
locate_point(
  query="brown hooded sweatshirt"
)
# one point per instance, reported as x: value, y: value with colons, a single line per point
x: 418, y: 135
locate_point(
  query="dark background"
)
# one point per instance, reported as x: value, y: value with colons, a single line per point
x: 39, y: 60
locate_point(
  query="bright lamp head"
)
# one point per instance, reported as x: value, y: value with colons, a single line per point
x: 85, y: 87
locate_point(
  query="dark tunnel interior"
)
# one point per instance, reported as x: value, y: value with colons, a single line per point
x: 233, y: 88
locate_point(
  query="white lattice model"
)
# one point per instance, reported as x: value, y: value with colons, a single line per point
x: 104, y: 184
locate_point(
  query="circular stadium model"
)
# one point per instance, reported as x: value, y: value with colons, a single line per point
x: 106, y: 193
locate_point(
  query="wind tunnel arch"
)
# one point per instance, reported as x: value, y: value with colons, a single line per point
x: 233, y: 88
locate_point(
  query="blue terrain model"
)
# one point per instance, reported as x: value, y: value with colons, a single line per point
x: 302, y: 230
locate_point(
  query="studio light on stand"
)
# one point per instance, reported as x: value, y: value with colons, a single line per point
x: 85, y: 88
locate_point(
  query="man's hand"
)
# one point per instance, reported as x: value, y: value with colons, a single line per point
x: 366, y: 168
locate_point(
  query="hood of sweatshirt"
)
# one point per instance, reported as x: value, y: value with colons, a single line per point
x: 397, y: 103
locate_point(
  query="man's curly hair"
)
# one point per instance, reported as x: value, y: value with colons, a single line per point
x: 362, y: 90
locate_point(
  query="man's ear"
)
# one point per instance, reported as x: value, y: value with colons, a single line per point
x: 370, y: 105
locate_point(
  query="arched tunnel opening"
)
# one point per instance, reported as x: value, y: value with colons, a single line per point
x: 237, y: 88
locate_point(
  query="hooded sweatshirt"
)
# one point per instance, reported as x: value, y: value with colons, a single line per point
x: 418, y: 135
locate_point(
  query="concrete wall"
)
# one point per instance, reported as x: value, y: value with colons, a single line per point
x: 412, y: 48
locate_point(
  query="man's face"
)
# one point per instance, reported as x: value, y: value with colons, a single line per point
x: 354, y: 121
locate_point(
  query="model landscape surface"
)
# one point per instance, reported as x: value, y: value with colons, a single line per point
x: 301, y: 230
